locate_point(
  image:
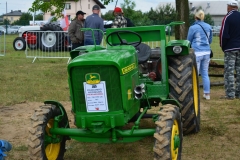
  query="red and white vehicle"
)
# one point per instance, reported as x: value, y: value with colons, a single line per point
x: 49, y: 37
x: 19, y: 43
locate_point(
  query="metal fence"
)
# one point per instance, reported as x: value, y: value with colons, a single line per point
x: 215, y: 46
x: 47, y: 44
x: 56, y: 44
x: 2, y: 43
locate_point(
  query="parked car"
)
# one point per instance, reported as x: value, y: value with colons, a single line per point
x: 9, y: 30
x: 216, y: 30
x: 2, y: 30
x: 14, y: 29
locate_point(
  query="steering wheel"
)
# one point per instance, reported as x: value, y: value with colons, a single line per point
x: 123, y: 41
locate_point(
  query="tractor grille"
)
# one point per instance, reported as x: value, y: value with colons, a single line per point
x: 109, y: 74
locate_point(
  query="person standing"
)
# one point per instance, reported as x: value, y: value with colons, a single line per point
x: 119, y: 21
x: 75, y: 34
x: 200, y: 37
x: 93, y: 21
x: 230, y: 44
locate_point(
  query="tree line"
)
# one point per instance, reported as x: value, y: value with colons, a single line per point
x: 160, y: 16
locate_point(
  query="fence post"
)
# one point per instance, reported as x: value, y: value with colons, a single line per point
x: 2, y: 43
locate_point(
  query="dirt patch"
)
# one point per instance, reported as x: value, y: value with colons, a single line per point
x: 14, y: 122
x: 220, y: 130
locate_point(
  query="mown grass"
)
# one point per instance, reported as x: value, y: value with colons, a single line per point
x: 45, y: 79
x: 22, y: 81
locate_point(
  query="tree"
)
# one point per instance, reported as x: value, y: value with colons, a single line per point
x: 108, y: 15
x: 145, y: 20
x: 182, y: 9
x: 128, y: 7
x: 165, y: 14
x: 152, y: 15
x: 24, y: 19
x: 57, y: 7
x: 6, y: 21
x: 53, y: 6
x: 208, y: 19
x: 39, y: 16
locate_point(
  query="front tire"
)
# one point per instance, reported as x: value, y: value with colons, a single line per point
x: 184, y: 87
x: 19, y: 44
x: 38, y: 142
x: 168, y: 136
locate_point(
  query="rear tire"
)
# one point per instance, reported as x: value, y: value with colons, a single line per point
x: 52, y: 39
x: 168, y: 136
x: 19, y: 44
x: 38, y: 146
x: 184, y: 87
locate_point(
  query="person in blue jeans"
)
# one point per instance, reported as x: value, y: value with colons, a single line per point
x: 200, y: 37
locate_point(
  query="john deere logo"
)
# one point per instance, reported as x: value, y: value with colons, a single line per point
x: 92, y: 78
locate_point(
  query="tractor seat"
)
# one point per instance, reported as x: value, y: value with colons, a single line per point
x: 144, y: 52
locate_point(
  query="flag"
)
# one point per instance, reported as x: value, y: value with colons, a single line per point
x: 64, y: 23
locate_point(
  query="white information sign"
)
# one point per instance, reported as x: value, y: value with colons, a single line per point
x: 96, y: 97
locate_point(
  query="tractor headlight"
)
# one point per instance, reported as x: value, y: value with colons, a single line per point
x: 177, y: 49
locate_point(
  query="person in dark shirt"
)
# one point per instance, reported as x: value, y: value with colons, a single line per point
x: 230, y: 44
x: 95, y: 22
x: 75, y: 34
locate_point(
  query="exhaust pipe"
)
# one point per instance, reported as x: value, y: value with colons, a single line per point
x: 139, y: 90
x: 138, y: 96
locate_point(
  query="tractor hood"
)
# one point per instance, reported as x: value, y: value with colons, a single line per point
x: 122, y: 57
x: 27, y: 28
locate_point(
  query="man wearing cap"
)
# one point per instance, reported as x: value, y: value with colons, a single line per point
x: 75, y: 34
x: 119, y: 21
x: 230, y: 44
x: 95, y: 22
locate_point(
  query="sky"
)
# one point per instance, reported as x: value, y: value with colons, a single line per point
x: 24, y: 5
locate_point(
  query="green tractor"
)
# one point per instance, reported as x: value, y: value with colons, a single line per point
x: 117, y: 85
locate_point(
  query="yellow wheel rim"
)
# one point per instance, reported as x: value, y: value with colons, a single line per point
x: 195, y: 90
x: 174, y: 144
x: 51, y: 150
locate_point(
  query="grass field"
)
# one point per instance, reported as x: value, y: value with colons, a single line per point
x: 23, y: 82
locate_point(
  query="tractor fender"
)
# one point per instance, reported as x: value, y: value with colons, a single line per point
x: 62, y: 109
